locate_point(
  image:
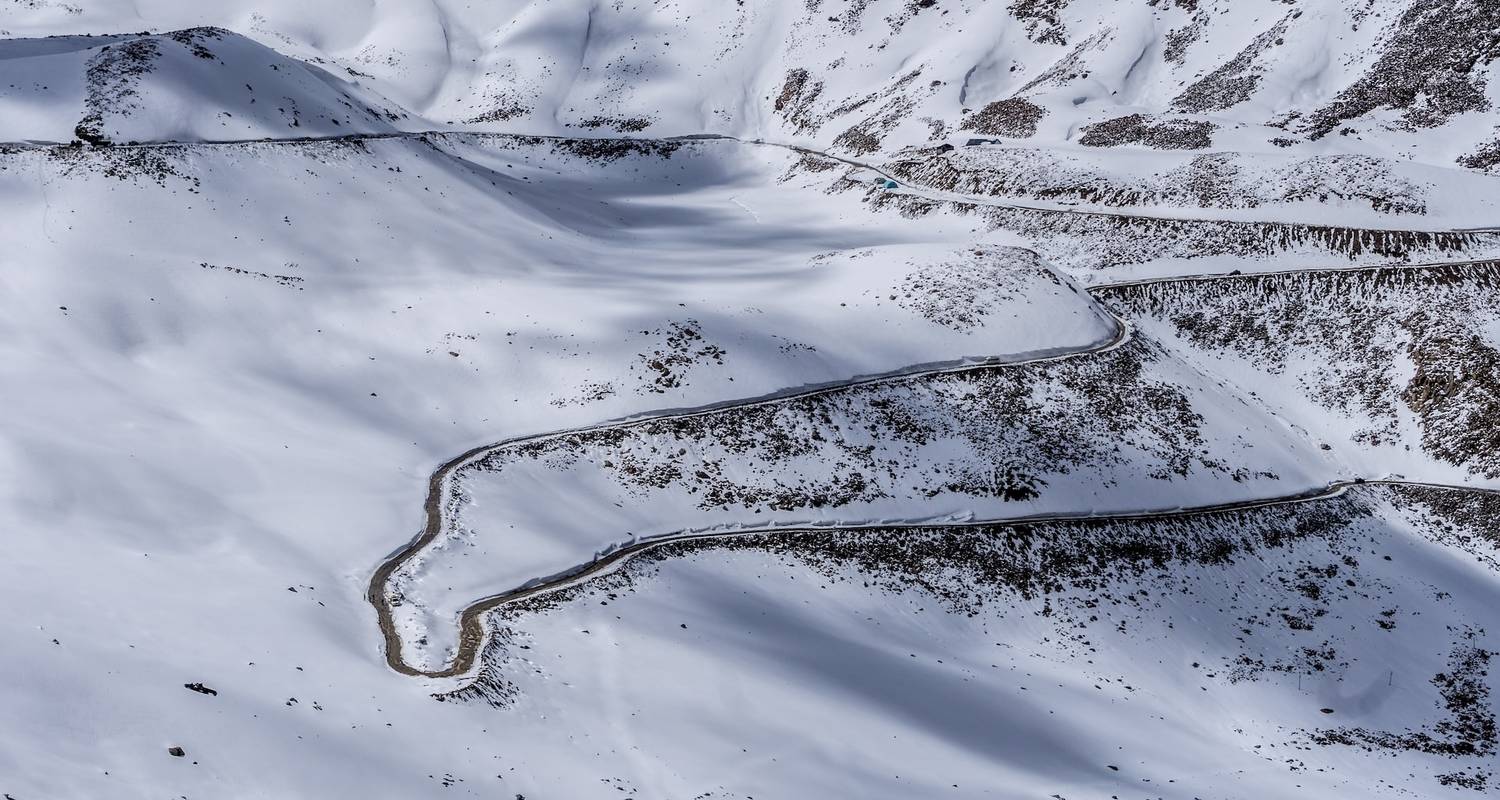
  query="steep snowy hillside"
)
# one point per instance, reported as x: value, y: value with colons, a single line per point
x: 1100, y: 247
x: 188, y: 85
x: 1278, y: 652
x: 1352, y: 189
x: 1090, y: 434
x: 767, y: 399
x: 1399, y: 366
x: 1403, y: 78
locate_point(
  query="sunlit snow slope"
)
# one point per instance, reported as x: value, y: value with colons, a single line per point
x: 763, y: 399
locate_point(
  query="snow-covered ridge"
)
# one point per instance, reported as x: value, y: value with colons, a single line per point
x: 188, y: 85
x: 1396, y: 78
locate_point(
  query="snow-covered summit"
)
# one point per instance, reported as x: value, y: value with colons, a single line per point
x: 196, y: 84
x: 1404, y: 78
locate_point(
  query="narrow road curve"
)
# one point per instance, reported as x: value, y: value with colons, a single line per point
x: 472, y: 628
x: 473, y: 631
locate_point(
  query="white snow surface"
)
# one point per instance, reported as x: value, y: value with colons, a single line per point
x: 898, y: 70
x: 351, y: 249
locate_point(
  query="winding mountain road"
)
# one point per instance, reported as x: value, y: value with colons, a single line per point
x: 472, y: 618
x: 471, y: 631
x: 472, y: 628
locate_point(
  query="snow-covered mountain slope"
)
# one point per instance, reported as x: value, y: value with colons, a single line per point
x: 573, y: 280
x: 361, y: 337
x: 1403, y: 78
x: 1302, y: 649
x: 1396, y: 366
x: 189, y: 85
x: 1273, y: 187
x: 1094, y: 433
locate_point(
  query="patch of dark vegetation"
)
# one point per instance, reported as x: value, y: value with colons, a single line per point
x: 1015, y: 117
x: 865, y: 136
x: 682, y: 348
x: 1139, y: 129
x: 858, y: 141
x: 35, y: 5
x: 1043, y: 20
x: 1467, y: 521
x: 1002, y: 431
x: 959, y: 293
x: 157, y: 163
x: 969, y: 568
x: 1100, y: 241
x: 1455, y: 393
x: 1234, y: 81
x: 1485, y: 158
x: 196, y: 40
x: 591, y: 392
x: 795, y: 102
x: 490, y: 685
x: 909, y: 11
x: 1430, y: 69
x: 851, y: 20
x: 1478, y: 780
x: 617, y: 124
x: 1208, y: 180
x: 798, y: 103
x: 289, y: 281
x: 1073, y: 66
x: 615, y: 149
x: 111, y: 78
x: 1178, y: 40
x: 500, y: 113
x: 809, y: 163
